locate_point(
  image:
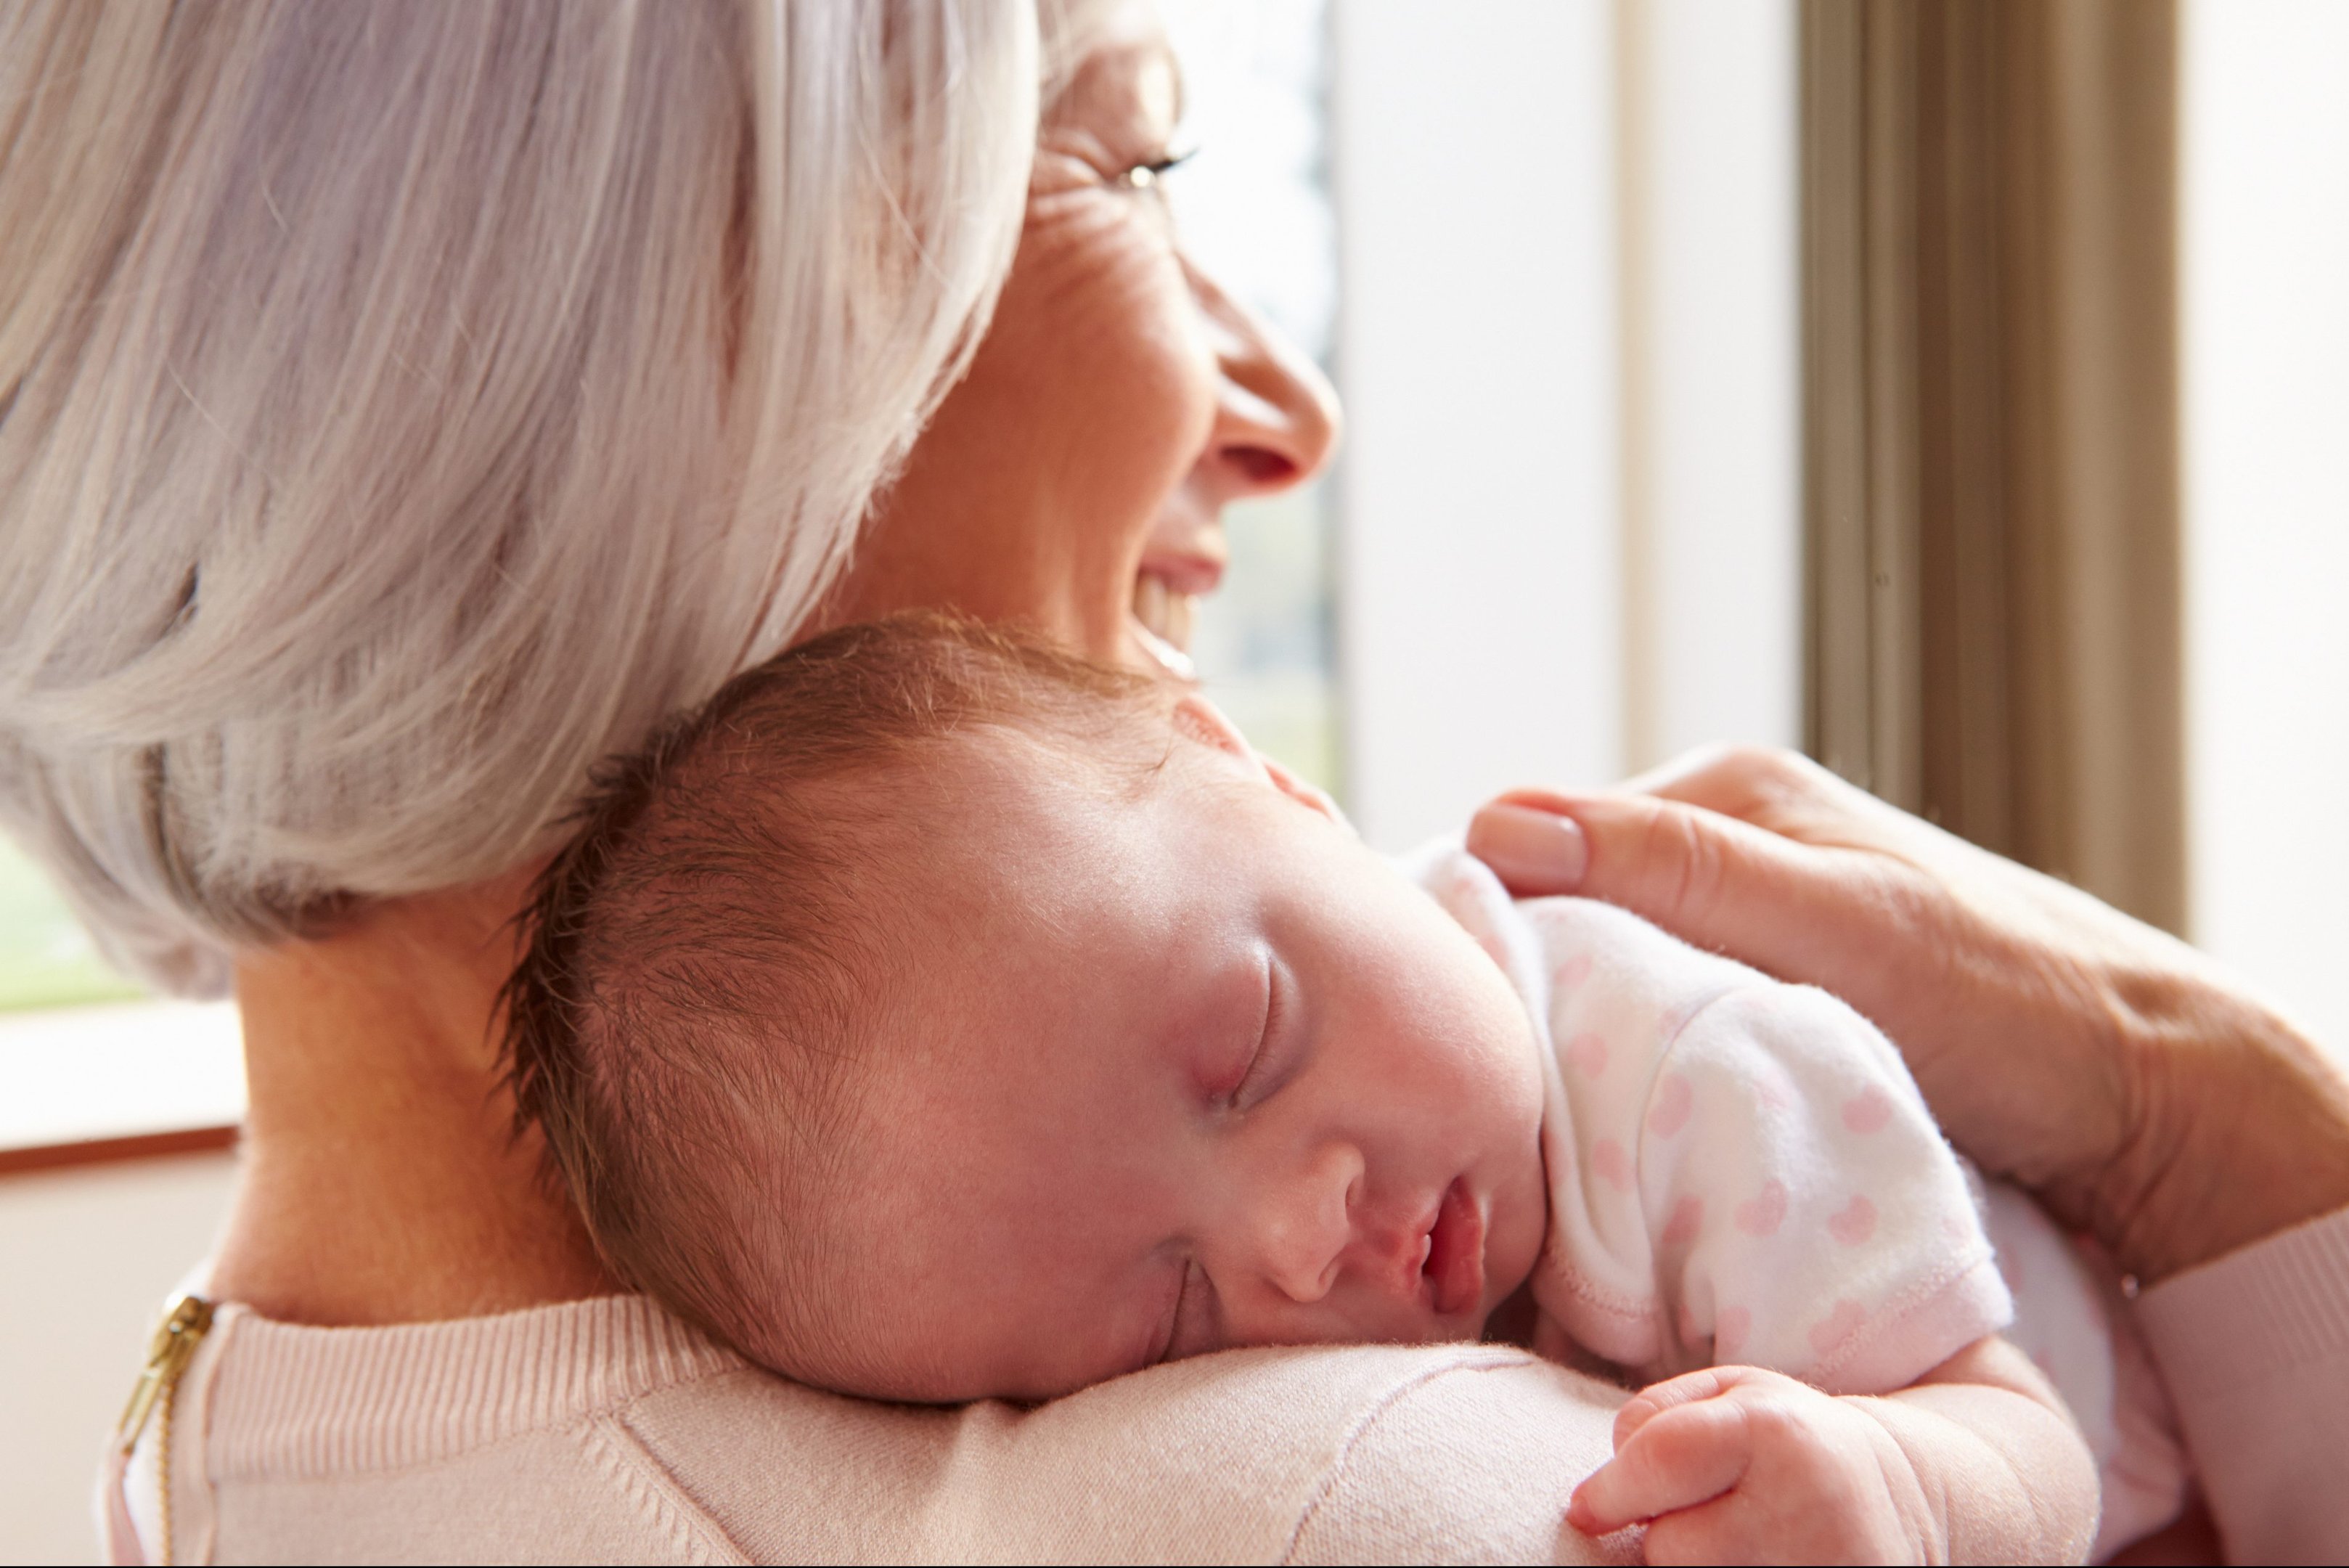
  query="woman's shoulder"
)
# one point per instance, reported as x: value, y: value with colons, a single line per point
x: 608, y: 1427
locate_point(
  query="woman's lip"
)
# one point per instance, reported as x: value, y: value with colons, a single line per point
x: 1455, y: 1252
x: 1183, y: 571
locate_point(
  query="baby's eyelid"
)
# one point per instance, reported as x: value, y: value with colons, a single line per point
x: 1182, y: 1292
x: 1263, y: 1052
x: 1195, y: 1314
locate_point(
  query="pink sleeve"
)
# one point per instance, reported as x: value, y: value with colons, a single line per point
x: 2255, y: 1349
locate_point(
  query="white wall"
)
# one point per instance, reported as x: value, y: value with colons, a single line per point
x: 1484, y: 634
x: 1478, y: 625
x: 2266, y: 141
x: 1715, y: 449
x: 86, y: 1257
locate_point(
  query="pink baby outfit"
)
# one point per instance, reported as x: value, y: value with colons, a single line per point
x: 1744, y: 1171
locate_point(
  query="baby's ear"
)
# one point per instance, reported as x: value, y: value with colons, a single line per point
x: 1207, y: 724
x: 1311, y: 797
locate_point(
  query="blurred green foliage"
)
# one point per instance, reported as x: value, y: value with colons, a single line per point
x: 46, y: 957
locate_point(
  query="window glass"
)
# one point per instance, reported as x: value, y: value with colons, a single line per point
x: 46, y: 957
x: 2265, y: 198
x: 1253, y: 205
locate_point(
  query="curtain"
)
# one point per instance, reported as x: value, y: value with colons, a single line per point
x: 1991, y: 387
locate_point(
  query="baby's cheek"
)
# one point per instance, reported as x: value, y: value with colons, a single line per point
x: 1499, y: 1057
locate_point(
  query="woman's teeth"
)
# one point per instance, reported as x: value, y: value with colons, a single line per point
x: 1168, y: 616
x: 1162, y: 653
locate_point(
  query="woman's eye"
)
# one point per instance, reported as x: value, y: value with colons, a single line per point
x: 1146, y: 176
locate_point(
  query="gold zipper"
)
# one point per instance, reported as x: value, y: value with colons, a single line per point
x: 168, y: 1353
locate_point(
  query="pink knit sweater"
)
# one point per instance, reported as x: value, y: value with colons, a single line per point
x: 2255, y: 1348
x: 606, y: 1430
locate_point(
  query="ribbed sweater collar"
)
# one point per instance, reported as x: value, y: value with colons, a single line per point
x: 288, y: 1401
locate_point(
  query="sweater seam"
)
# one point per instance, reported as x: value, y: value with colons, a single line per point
x: 657, y: 1494
x: 1370, y: 1416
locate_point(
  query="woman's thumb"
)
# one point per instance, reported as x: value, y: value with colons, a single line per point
x: 1710, y: 879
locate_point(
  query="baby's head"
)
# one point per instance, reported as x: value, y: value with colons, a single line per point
x: 937, y: 1017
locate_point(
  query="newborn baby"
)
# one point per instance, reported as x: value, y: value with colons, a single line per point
x: 936, y: 1018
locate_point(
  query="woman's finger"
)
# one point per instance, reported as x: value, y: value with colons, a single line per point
x: 1533, y: 844
x: 1797, y: 910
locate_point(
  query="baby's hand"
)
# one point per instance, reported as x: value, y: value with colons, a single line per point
x: 1734, y: 1464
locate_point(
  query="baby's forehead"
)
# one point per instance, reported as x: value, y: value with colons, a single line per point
x: 1021, y: 811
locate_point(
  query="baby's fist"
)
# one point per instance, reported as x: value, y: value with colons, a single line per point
x: 1734, y: 1464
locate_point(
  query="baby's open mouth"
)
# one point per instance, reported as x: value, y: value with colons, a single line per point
x: 1454, y: 1267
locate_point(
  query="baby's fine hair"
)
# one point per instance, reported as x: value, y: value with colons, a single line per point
x: 710, y: 946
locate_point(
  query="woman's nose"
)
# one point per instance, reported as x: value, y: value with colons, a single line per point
x: 1304, y: 1231
x: 1276, y: 415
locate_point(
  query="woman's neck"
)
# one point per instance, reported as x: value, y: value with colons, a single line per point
x: 382, y: 1181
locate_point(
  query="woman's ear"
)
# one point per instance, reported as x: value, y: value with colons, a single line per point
x: 1207, y: 724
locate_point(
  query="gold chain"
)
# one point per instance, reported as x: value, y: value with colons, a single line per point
x: 164, y: 1472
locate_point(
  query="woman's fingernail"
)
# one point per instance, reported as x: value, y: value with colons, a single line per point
x: 1533, y: 851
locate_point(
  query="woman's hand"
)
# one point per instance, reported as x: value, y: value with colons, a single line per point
x: 2144, y: 1094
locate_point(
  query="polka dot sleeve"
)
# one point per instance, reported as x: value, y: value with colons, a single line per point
x: 1742, y: 1171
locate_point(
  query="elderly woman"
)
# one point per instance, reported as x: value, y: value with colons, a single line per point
x: 403, y: 407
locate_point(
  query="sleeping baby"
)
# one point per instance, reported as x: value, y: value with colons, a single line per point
x: 934, y: 1017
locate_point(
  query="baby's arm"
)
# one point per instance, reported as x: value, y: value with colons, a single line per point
x: 1974, y: 1462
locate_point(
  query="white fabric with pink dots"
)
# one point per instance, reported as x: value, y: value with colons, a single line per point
x: 1740, y: 1171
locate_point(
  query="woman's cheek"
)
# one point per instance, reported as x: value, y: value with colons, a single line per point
x: 1125, y: 342
x: 1152, y: 384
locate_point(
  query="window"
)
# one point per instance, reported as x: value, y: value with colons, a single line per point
x: 1254, y: 209
x: 1567, y: 348
x: 2265, y: 231
x: 47, y: 959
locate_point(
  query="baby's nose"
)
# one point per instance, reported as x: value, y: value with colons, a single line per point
x: 1310, y: 1237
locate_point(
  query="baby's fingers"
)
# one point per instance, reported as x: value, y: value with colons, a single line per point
x: 1704, y: 1382
x: 1676, y: 1459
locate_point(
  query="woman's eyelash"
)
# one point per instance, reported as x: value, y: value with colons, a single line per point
x: 1146, y: 176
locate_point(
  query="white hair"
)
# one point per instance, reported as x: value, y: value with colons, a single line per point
x: 404, y: 406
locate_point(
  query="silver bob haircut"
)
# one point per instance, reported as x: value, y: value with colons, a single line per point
x: 403, y: 406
